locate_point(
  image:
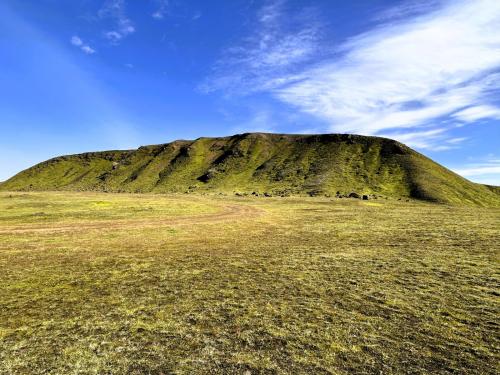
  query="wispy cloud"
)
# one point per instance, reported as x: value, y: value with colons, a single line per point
x: 486, y: 171
x: 478, y: 112
x: 123, y: 26
x: 407, y: 75
x: 435, y: 139
x: 423, y: 65
x: 279, y: 45
x: 422, y: 139
x: 78, y: 42
x: 161, y: 11
x: 407, y: 8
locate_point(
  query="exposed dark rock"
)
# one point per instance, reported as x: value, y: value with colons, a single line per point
x: 211, y: 173
x: 315, y: 193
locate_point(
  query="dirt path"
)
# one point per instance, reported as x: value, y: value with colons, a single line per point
x: 229, y: 212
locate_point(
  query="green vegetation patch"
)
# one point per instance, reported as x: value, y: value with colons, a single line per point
x: 258, y: 163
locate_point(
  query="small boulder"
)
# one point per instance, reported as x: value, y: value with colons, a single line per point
x: 365, y: 197
x: 354, y: 195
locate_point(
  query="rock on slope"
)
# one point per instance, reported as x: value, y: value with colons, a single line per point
x: 257, y: 162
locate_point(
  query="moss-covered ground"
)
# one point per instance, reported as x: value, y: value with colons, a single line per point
x: 95, y: 283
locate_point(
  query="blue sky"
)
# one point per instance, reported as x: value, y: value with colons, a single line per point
x: 87, y: 75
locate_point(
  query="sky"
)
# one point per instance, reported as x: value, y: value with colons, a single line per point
x: 88, y: 75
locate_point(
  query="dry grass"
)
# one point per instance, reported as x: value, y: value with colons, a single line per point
x: 136, y: 284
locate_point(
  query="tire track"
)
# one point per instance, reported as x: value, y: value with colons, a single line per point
x: 229, y: 212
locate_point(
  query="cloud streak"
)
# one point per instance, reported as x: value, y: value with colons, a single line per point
x: 407, y: 8
x: 487, y: 172
x: 270, y: 56
x: 161, y: 11
x: 478, y: 112
x: 423, y: 70
x: 410, y: 74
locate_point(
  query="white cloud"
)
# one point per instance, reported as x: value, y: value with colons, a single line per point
x: 88, y: 50
x: 481, y: 170
x: 113, y: 36
x: 434, y: 139
x: 427, y: 139
x: 279, y: 44
x: 408, y: 74
x: 456, y: 140
x: 115, y: 10
x: 478, y: 112
x: 424, y: 64
x: 78, y: 42
x: 487, y: 172
x: 160, y: 13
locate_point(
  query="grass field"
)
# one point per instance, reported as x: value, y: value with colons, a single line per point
x: 95, y: 283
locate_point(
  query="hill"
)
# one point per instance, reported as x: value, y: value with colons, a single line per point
x: 272, y: 164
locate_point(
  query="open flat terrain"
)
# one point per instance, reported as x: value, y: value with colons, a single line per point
x: 95, y: 283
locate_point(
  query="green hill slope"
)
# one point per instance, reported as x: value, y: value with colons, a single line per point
x: 261, y: 163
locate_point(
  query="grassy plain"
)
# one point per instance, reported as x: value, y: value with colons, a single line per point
x: 95, y: 283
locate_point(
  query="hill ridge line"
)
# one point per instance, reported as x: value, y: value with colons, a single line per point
x: 262, y: 164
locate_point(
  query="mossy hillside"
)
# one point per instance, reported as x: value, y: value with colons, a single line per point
x: 263, y: 163
x: 431, y: 181
x: 81, y: 170
x: 495, y: 189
